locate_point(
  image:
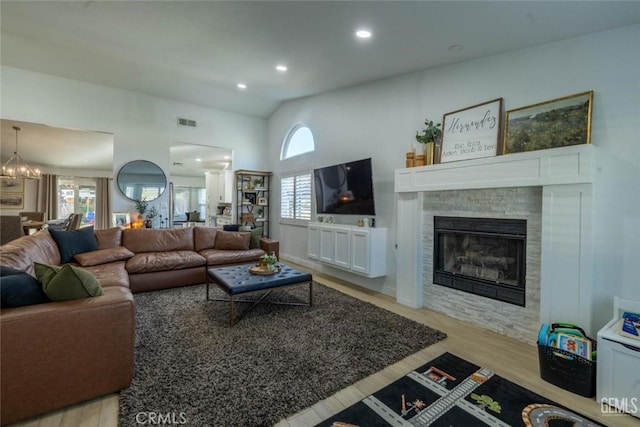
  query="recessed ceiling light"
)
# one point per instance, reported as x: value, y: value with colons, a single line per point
x: 242, y: 86
x: 363, y: 34
x: 281, y: 68
x: 198, y: 160
x: 455, y: 47
x: 227, y: 157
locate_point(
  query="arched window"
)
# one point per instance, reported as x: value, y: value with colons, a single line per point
x: 299, y: 140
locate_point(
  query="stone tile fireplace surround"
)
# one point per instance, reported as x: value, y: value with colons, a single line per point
x: 551, y: 189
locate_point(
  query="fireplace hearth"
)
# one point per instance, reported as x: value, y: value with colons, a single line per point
x: 482, y: 256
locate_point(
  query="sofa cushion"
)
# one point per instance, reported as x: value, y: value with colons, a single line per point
x: 204, y: 238
x: 74, y: 242
x: 222, y: 257
x: 256, y: 235
x: 21, y: 253
x: 108, y: 237
x: 232, y: 240
x: 103, y: 256
x: 67, y: 282
x: 110, y: 274
x: 149, y: 262
x: 139, y: 240
x: 17, y: 290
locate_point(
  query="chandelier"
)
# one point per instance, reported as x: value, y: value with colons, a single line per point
x: 16, y: 167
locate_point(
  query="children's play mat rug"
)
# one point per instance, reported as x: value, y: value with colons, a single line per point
x: 449, y: 391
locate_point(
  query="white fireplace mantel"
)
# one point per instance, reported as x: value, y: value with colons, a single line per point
x: 566, y: 176
x: 566, y: 165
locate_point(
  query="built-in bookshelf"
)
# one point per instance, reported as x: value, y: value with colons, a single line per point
x: 252, y: 202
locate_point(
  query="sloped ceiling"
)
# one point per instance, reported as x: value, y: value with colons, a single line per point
x: 197, y: 51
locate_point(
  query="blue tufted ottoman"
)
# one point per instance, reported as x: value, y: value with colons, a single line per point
x: 236, y: 280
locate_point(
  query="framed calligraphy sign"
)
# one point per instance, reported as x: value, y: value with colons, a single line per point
x: 472, y: 132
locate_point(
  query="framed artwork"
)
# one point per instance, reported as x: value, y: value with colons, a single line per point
x: 262, y: 201
x: 251, y: 197
x: 550, y: 124
x: 120, y: 219
x: 10, y: 185
x: 472, y: 132
x: 11, y: 201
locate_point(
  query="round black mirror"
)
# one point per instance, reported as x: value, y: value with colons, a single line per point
x: 141, y: 180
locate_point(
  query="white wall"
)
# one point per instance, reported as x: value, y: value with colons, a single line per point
x: 380, y: 119
x: 143, y: 126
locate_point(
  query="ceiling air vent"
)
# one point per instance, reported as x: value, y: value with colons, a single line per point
x: 186, y: 122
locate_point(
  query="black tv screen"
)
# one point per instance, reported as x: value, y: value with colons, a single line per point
x: 345, y: 189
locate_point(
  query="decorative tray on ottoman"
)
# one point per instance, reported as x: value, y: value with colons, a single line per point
x: 262, y: 270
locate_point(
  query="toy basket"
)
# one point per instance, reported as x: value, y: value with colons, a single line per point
x: 568, y: 370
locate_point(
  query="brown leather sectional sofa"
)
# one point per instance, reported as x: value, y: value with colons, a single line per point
x: 60, y: 353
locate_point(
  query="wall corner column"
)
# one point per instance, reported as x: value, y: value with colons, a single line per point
x: 409, y: 249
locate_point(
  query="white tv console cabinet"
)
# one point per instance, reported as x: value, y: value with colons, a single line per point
x: 360, y: 250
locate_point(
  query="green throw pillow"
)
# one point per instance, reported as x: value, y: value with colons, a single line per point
x: 67, y: 282
x: 256, y: 235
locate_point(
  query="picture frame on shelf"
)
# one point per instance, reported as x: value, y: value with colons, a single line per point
x: 556, y: 123
x: 250, y: 197
x: 11, y: 185
x: 120, y: 219
x: 262, y: 201
x: 472, y: 132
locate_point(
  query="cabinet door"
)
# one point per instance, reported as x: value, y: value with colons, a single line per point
x: 212, y: 184
x: 226, y: 189
x: 313, y: 250
x: 342, y: 251
x: 360, y: 243
x: 327, y: 247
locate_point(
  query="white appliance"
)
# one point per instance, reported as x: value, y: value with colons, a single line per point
x: 618, y: 368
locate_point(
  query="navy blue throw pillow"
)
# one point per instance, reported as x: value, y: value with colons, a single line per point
x: 231, y: 227
x: 21, y: 289
x: 74, y: 242
x: 8, y: 271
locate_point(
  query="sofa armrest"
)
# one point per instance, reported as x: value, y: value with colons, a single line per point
x: 60, y: 353
x: 270, y: 245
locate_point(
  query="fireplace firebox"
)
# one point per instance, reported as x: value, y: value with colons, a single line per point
x: 482, y: 256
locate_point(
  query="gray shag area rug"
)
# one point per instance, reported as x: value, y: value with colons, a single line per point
x: 191, y: 368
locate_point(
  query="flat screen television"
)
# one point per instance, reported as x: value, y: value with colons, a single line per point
x: 345, y: 189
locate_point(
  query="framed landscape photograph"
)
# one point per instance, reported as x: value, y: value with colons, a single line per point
x: 472, y: 132
x: 11, y: 200
x: 10, y: 185
x: 557, y: 123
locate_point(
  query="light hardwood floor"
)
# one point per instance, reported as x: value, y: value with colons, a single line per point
x: 505, y: 356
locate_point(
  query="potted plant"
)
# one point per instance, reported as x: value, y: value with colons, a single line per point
x: 141, y: 207
x: 153, y: 212
x: 259, y: 182
x: 269, y: 261
x: 431, y: 133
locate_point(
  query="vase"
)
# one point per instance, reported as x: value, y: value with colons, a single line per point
x: 429, y: 149
x: 148, y: 223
